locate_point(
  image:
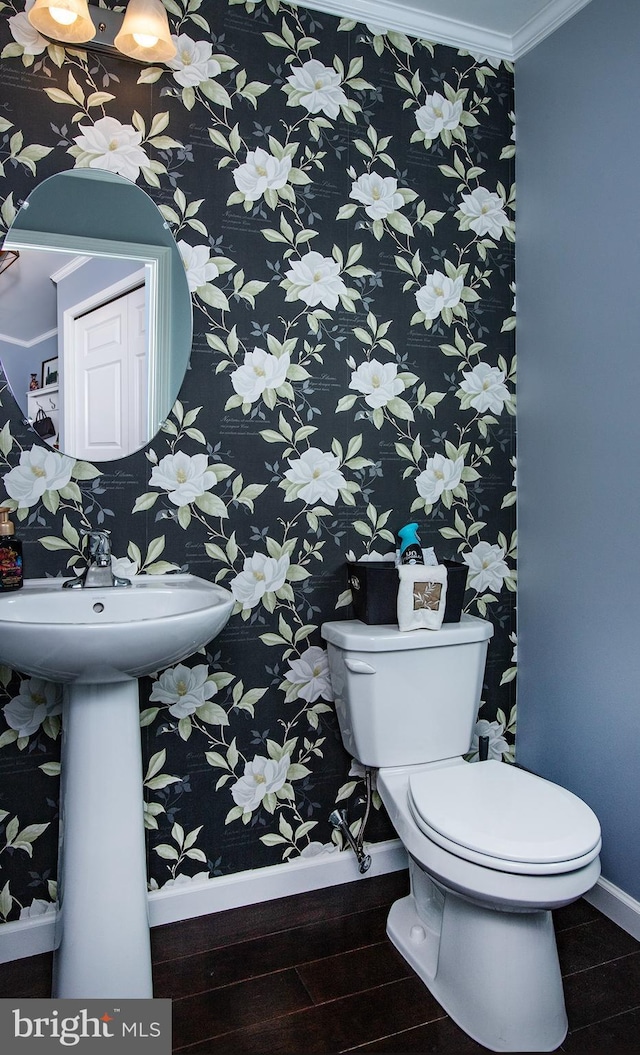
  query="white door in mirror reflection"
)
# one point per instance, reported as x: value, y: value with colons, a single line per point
x: 105, y: 388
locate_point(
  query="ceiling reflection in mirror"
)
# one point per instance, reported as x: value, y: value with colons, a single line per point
x: 95, y: 315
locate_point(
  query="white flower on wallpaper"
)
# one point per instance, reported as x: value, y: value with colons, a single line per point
x: 36, y: 700
x: 309, y: 675
x: 317, y: 88
x: 39, y: 469
x: 484, y: 388
x: 260, y: 372
x: 441, y: 474
x: 198, y: 265
x: 316, y: 849
x: 260, y: 172
x: 498, y: 745
x: 38, y: 907
x: 487, y: 567
x: 184, y: 477
x: 262, y: 776
x: 110, y: 145
x: 483, y: 212
x: 378, y: 194
x: 438, y: 292
x: 315, y: 279
x: 316, y: 477
x: 260, y: 575
x: 183, y: 689
x: 378, y: 382
x: 437, y: 114
x: 25, y: 34
x: 193, y: 64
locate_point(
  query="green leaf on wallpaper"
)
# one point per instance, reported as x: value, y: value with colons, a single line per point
x: 6, y: 900
x: 51, y: 542
x: 156, y: 763
x: 6, y: 439
x: 145, y: 501
x: 270, y: 839
x: 23, y: 840
x: 150, y: 74
x: 345, y: 403
x: 70, y: 491
x: 216, y: 94
x: 212, y: 714
x: 184, y: 728
x: 201, y: 22
x: 148, y: 716
x: 50, y: 769
x: 168, y: 853
x: 213, y: 296
x: 10, y: 735
x: 84, y: 471
x: 400, y: 408
x: 58, y: 96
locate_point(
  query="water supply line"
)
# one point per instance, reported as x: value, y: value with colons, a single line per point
x: 339, y: 820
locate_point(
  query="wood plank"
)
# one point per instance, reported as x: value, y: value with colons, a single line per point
x: 331, y: 1027
x: 251, y: 921
x: 232, y: 1007
x: 274, y: 952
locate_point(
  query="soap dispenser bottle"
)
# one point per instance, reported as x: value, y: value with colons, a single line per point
x: 10, y: 554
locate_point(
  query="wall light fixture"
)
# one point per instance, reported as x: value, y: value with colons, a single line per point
x: 141, y: 33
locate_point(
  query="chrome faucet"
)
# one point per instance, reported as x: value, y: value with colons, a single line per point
x: 98, y: 572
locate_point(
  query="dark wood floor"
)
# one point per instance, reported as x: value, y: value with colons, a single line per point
x: 315, y: 973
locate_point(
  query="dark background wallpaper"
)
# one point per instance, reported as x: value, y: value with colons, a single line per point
x: 251, y: 764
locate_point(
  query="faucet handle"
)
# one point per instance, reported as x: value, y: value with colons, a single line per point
x: 99, y: 542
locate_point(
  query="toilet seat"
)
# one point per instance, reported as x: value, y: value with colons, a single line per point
x: 504, y: 818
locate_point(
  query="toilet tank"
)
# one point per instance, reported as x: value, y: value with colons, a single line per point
x: 405, y: 697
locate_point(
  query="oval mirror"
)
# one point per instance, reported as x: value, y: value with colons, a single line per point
x: 95, y: 314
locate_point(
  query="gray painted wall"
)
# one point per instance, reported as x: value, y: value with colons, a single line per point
x: 578, y: 280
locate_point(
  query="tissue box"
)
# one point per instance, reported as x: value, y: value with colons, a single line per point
x: 374, y: 588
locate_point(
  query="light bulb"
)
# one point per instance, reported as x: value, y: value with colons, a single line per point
x: 62, y: 16
x: 145, y: 40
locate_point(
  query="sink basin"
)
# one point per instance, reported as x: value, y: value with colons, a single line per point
x: 107, y: 635
x: 97, y: 642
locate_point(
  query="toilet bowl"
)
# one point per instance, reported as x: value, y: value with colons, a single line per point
x: 479, y: 934
x: 492, y: 848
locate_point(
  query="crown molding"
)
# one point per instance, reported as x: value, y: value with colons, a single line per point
x: 542, y: 25
x: 428, y: 25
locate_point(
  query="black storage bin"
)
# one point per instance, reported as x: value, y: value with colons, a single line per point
x: 374, y: 588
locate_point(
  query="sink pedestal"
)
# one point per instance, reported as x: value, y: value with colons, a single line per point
x: 102, y: 935
x: 97, y: 642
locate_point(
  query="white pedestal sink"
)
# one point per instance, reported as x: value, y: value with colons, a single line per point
x: 97, y: 642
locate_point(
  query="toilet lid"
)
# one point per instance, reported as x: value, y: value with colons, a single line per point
x: 503, y: 812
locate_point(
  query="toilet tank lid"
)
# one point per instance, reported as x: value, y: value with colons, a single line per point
x: 354, y: 635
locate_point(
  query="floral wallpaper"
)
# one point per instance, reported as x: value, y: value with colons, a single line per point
x: 343, y: 200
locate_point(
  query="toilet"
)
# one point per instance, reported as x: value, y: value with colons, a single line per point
x: 492, y: 848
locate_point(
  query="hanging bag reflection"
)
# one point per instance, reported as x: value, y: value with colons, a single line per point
x: 43, y: 425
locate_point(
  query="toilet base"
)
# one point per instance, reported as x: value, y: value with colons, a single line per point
x: 495, y: 973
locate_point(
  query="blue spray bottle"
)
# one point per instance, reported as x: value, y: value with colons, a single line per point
x: 410, y: 548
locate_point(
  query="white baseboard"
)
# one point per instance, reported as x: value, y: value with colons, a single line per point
x: 180, y: 901
x: 618, y: 906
